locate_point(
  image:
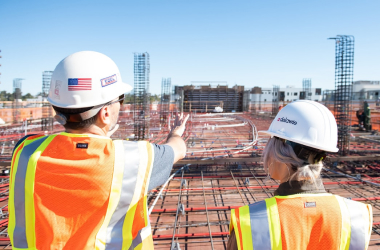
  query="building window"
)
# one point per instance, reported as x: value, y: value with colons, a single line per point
x: 318, y: 91
x: 295, y: 93
x: 309, y: 94
x: 287, y: 93
x: 268, y: 92
x: 265, y: 100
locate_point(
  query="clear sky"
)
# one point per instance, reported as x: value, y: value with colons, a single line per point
x: 250, y: 42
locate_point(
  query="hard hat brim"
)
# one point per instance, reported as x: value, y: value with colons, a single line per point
x: 334, y: 150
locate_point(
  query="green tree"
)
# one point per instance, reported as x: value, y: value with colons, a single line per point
x: 27, y: 96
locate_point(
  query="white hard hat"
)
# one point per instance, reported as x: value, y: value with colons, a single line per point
x: 85, y: 79
x: 308, y: 123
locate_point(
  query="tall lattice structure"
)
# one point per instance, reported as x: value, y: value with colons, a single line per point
x: 166, y: 85
x: 47, y: 113
x: 344, y: 74
x: 275, y: 99
x: 17, y: 104
x: 256, y: 99
x: 141, y: 96
x: 306, y: 87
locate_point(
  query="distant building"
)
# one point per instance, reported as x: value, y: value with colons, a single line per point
x: 205, y: 98
x: 366, y: 90
x: 288, y: 94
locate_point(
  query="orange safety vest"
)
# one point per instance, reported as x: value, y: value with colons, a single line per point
x: 74, y: 191
x: 303, y: 221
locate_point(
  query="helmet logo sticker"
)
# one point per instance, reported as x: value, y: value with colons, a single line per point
x: 108, y: 80
x: 56, y: 89
x: 286, y: 120
x: 76, y: 84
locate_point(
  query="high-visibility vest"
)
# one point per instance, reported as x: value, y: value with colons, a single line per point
x: 303, y: 221
x: 74, y: 191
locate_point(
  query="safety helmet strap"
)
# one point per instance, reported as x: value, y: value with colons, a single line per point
x: 63, y: 118
x: 304, y: 152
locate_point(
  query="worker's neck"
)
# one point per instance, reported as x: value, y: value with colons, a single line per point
x: 92, y: 130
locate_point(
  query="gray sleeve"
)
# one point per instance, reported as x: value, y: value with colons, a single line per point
x: 162, y: 165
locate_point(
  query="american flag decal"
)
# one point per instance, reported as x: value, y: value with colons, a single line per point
x: 76, y: 84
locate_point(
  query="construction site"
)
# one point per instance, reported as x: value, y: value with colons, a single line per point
x: 223, y: 167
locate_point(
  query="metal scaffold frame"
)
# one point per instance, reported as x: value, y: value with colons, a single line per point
x: 256, y: 99
x: 275, y: 100
x: 47, y: 112
x: 17, y: 95
x: 246, y: 100
x: 306, y: 88
x: 141, y: 96
x: 166, y: 85
x: 344, y: 74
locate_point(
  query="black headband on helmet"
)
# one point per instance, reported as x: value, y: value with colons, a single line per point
x: 304, y: 152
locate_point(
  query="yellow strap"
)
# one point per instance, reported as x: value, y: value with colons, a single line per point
x: 245, y: 224
x: 140, y: 185
x: 346, y: 225
x: 149, y: 169
x: 367, y: 213
x: 12, y: 212
x: 274, y: 223
x: 146, y: 244
x: 235, y: 228
x: 117, y: 179
x: 29, y: 248
x: 12, y: 218
x: 30, y: 218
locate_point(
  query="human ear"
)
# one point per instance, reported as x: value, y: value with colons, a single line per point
x: 104, y: 115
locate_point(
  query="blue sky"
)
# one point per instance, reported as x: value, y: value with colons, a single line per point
x: 250, y: 43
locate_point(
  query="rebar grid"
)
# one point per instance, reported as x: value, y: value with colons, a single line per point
x: 344, y: 73
x: 165, y: 100
x: 306, y: 88
x: 141, y: 96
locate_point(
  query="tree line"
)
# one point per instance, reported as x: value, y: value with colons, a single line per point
x: 6, y: 96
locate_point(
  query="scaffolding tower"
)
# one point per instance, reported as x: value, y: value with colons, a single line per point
x: 256, y: 99
x: 344, y: 74
x: 141, y: 96
x: 166, y: 85
x: 47, y: 113
x: 306, y: 88
x: 275, y: 100
x: 246, y: 100
x: 17, y: 104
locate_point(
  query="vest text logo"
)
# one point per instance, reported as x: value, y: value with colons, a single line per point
x: 310, y: 204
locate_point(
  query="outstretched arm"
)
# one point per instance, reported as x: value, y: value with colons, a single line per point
x: 175, y: 137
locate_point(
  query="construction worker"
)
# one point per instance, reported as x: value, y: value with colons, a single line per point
x: 301, y: 215
x: 79, y: 189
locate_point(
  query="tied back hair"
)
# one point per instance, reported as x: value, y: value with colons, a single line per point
x: 277, y: 150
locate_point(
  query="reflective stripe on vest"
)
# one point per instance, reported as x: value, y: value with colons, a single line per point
x: 116, y: 231
x: 126, y: 217
x: 21, y: 204
x: 257, y: 226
